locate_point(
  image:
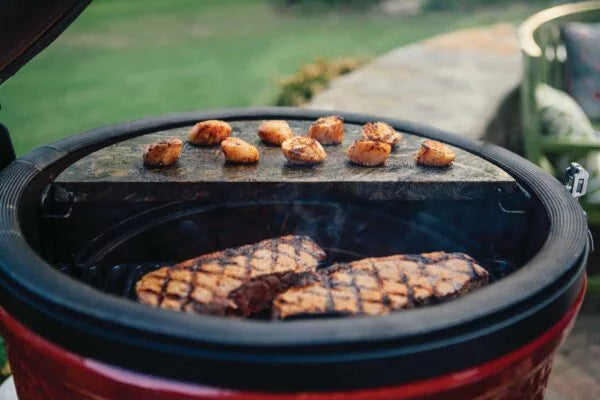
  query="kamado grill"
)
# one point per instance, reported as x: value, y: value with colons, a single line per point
x: 81, y: 220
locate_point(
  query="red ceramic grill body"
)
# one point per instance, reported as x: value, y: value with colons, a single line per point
x: 44, y: 371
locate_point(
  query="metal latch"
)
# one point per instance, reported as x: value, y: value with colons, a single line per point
x: 576, y: 182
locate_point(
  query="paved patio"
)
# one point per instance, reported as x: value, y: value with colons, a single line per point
x: 576, y: 372
x: 455, y: 81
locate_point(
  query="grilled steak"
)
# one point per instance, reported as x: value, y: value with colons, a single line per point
x: 237, y: 281
x: 376, y: 286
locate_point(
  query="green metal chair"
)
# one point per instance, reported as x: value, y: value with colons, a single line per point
x: 544, y: 56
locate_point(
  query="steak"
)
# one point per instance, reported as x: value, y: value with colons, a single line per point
x: 376, y: 286
x: 236, y: 281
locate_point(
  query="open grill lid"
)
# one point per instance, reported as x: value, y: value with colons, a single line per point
x: 29, y: 26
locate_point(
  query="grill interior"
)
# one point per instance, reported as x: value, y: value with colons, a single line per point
x: 114, y: 260
x: 107, y: 220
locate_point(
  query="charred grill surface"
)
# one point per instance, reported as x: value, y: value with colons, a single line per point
x: 237, y: 281
x: 376, y: 286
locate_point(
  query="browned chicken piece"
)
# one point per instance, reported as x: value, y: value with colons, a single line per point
x: 435, y: 154
x: 237, y: 281
x: 303, y: 150
x: 381, y: 132
x: 209, y: 133
x: 368, y: 152
x: 162, y: 154
x: 377, y: 286
x: 239, y: 151
x: 327, y: 130
x: 275, y: 132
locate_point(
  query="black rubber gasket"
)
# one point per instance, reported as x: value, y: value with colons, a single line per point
x: 308, y: 355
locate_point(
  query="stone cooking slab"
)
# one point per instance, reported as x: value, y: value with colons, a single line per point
x: 116, y: 173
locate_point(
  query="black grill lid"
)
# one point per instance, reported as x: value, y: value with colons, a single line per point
x: 29, y: 26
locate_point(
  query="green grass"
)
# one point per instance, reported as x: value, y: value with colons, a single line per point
x: 593, y: 287
x: 125, y: 59
x: 4, y: 371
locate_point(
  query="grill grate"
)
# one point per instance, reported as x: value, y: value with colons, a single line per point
x: 115, y: 260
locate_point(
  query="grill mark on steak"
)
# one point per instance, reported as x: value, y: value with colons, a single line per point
x: 237, y: 281
x: 378, y: 286
x: 386, y: 298
x: 164, y: 288
x: 188, y: 297
x: 356, y: 290
x: 329, y: 301
x: 419, y: 288
x: 410, y: 294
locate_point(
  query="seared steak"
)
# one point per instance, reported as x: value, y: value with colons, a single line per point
x: 376, y: 286
x: 237, y: 281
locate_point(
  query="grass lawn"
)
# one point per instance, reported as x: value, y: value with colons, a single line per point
x: 125, y: 59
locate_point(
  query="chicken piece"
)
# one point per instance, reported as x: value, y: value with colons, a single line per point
x: 377, y: 286
x: 381, y: 132
x: 275, y: 132
x: 303, y: 150
x: 435, y: 154
x: 162, y: 154
x: 327, y: 130
x: 209, y: 133
x: 239, y: 151
x: 237, y: 281
x: 368, y: 152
